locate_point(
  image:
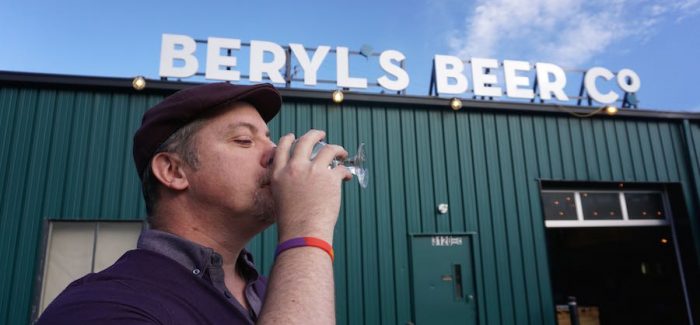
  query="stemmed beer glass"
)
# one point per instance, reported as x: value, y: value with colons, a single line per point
x: 354, y: 164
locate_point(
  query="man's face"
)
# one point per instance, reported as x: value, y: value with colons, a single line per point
x: 234, y: 152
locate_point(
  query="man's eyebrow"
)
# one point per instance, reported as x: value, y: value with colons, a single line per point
x: 250, y: 126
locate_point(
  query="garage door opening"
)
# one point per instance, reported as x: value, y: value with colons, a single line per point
x: 615, y: 250
x: 629, y: 275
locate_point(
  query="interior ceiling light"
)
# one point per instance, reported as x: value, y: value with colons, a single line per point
x: 139, y: 83
x: 338, y: 96
x: 455, y: 104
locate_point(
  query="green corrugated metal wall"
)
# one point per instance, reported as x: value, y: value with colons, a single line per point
x: 67, y: 154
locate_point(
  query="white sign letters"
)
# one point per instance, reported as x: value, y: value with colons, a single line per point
x: 267, y: 60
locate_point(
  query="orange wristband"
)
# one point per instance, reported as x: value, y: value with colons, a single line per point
x: 305, y: 242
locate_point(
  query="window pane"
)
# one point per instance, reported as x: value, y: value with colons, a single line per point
x: 76, y: 248
x: 113, y: 240
x: 559, y: 206
x: 644, y: 206
x: 68, y: 257
x: 601, y: 206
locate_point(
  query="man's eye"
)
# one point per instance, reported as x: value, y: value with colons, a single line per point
x: 246, y: 142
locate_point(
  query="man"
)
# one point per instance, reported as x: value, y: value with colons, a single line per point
x: 213, y: 179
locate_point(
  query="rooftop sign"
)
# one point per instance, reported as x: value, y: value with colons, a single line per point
x: 267, y: 60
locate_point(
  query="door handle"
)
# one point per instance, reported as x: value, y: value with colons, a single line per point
x: 457, y: 276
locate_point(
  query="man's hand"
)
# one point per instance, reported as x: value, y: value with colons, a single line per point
x: 307, y: 192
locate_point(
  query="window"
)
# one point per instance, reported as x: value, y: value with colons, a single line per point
x: 603, y: 208
x: 559, y: 205
x: 644, y: 206
x: 75, y: 248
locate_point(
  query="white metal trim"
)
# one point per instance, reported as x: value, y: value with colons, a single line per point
x: 623, y: 206
x: 579, y: 207
x: 46, y: 266
x: 603, y: 223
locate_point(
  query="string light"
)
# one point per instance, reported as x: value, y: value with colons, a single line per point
x: 455, y: 104
x: 337, y: 96
x: 139, y: 83
x: 609, y: 109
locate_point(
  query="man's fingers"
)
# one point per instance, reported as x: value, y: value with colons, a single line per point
x: 302, y: 152
x: 282, y: 151
x: 305, y: 144
x: 330, y: 152
x: 344, y: 172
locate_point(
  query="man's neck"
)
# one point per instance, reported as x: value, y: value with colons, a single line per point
x: 229, y: 245
x: 225, y: 235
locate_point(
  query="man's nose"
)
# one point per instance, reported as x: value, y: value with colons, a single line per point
x: 269, y: 155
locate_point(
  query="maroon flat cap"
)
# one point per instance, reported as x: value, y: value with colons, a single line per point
x: 185, y: 106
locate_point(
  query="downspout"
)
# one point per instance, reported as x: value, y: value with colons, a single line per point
x: 693, y: 165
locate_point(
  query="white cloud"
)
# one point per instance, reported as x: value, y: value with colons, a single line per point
x: 687, y: 8
x: 565, y: 32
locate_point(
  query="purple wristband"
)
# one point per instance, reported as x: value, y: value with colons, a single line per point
x: 305, y: 242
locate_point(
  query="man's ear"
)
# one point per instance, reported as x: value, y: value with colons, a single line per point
x: 168, y: 169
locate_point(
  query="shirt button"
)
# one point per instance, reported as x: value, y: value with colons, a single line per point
x: 196, y: 271
x: 227, y: 294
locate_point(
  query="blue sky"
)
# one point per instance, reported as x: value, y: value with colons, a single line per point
x: 657, y: 39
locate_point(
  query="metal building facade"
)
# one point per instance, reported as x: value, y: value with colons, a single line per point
x: 65, y: 153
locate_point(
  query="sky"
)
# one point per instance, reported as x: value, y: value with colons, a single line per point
x: 659, y: 40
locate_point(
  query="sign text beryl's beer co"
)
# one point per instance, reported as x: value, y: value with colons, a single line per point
x: 178, y: 60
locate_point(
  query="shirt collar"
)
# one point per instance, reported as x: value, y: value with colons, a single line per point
x: 191, y: 255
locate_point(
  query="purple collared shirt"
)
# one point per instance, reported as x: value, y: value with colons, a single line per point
x: 206, y: 264
x: 166, y: 280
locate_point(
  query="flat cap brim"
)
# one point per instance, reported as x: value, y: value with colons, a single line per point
x: 185, y: 106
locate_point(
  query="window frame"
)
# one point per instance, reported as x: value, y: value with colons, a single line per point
x: 625, y: 222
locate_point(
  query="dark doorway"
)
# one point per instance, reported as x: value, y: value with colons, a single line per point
x: 629, y: 273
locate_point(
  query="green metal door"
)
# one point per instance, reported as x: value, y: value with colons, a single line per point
x: 443, y: 279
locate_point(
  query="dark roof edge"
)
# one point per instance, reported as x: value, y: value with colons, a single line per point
x: 167, y: 87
